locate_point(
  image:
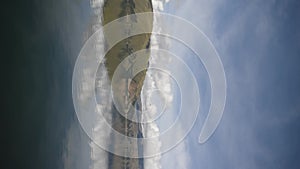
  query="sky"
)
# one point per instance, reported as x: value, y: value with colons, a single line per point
x: 258, y: 43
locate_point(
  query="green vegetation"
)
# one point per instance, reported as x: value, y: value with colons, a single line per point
x: 114, y: 9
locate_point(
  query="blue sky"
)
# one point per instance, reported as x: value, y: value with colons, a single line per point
x: 259, y: 45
